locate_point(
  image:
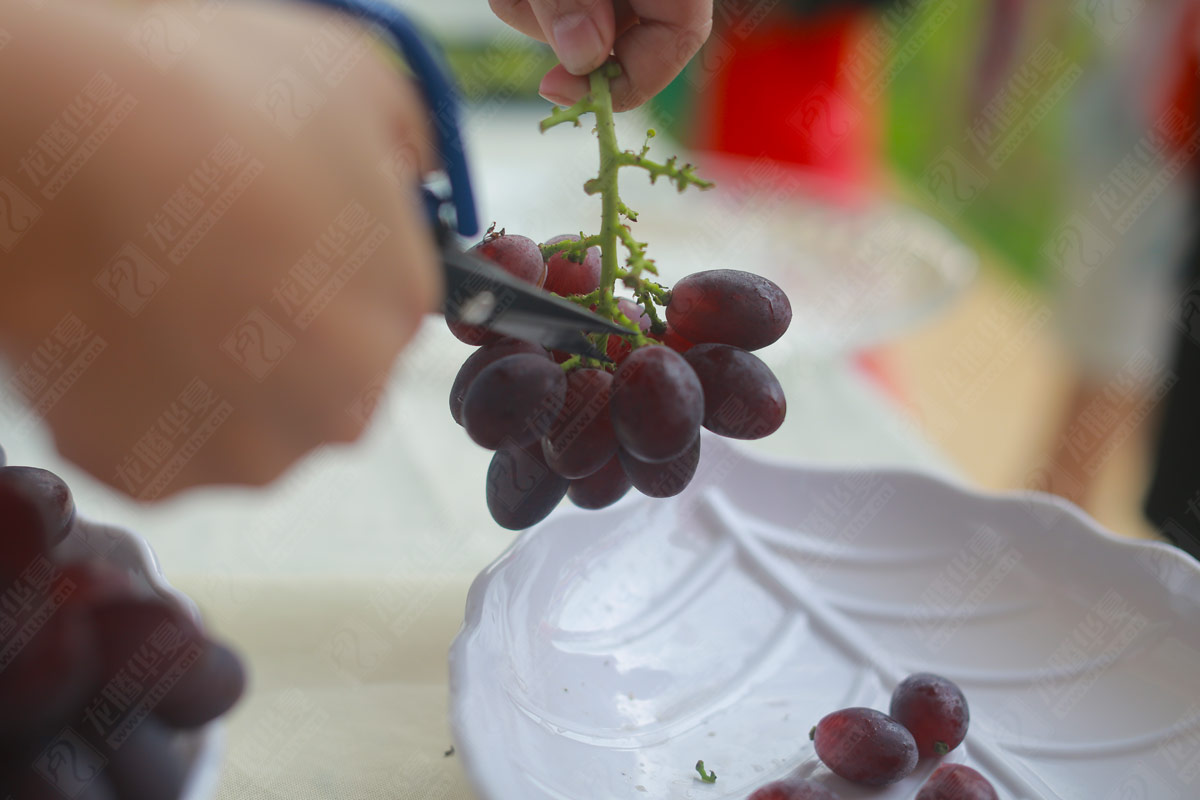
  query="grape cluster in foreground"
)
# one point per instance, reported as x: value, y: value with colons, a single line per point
x: 590, y: 430
x: 96, y: 678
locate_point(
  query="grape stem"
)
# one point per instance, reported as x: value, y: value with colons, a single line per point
x: 610, y: 201
x: 706, y: 776
x: 573, y: 250
x: 614, y: 214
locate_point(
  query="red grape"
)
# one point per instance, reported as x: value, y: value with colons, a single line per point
x: 602, y: 488
x: 794, y: 789
x: 515, y: 398
x: 518, y: 256
x: 473, y: 334
x: 36, y: 497
x: 94, y: 581
x: 729, y: 306
x: 50, y: 676
x: 662, y: 480
x: 581, y: 439
x: 618, y: 349
x: 742, y: 397
x: 956, y: 782
x: 934, y: 710
x: 87, y: 657
x: 671, y: 338
x: 521, y: 489
x: 127, y: 625
x: 27, y: 784
x: 566, y: 277
x: 206, y: 690
x: 865, y: 746
x: 200, y: 679
x: 480, y: 359
x: 657, y: 404
x: 146, y: 765
x: 22, y: 543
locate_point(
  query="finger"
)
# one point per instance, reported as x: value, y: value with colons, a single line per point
x: 626, y: 17
x: 652, y: 52
x: 580, y: 31
x: 519, y: 15
x: 560, y: 86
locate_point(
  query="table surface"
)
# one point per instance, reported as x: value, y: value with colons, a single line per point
x: 344, y: 584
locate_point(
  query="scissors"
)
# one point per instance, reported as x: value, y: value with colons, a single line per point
x: 477, y: 291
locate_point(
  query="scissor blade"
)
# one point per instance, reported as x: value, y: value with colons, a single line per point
x: 480, y: 293
x: 551, y: 336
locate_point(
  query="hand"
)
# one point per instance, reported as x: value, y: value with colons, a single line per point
x: 653, y: 40
x: 307, y: 268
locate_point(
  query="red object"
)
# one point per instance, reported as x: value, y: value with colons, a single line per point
x: 956, y: 782
x: 1184, y: 86
x: 794, y: 789
x: 865, y: 746
x: 876, y: 365
x: 934, y: 711
x: 787, y: 91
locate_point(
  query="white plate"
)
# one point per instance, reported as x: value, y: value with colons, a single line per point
x: 201, y: 748
x: 606, y: 652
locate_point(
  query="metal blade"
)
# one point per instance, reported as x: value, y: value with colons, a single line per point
x: 480, y: 293
x: 535, y: 329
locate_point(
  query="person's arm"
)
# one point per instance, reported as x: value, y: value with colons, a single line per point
x: 209, y: 255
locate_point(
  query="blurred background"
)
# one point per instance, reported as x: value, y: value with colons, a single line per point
x: 855, y: 143
x: 981, y: 211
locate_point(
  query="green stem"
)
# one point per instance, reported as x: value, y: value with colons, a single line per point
x: 635, y: 331
x: 682, y: 177
x: 613, y: 231
x: 610, y: 201
x: 637, y: 260
x: 586, y: 300
x: 571, y: 247
x: 560, y: 115
x: 647, y: 300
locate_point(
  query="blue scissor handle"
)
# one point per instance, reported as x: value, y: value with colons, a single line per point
x: 441, y: 97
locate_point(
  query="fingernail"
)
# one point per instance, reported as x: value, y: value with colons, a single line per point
x: 577, y: 43
x: 554, y: 97
x: 557, y: 99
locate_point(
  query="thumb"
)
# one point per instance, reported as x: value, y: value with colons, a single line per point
x: 580, y: 31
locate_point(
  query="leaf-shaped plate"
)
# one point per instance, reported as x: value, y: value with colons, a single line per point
x: 605, y: 652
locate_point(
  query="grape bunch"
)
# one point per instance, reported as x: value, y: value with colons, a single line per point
x: 97, y: 679
x: 590, y: 429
